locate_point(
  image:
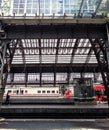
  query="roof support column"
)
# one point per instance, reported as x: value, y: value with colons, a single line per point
x: 107, y: 54
x: 56, y: 60
x: 68, y: 77
x: 40, y: 61
x: 100, y: 64
x: 6, y: 56
x: 3, y: 49
x: 101, y: 67
x: 94, y: 76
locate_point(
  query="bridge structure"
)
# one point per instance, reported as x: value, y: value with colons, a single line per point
x: 53, y: 48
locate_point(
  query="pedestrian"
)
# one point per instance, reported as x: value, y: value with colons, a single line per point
x: 67, y: 94
x: 99, y: 95
x: 7, y: 98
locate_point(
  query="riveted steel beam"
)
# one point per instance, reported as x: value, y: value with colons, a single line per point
x: 49, y: 68
x: 55, y: 31
x: 48, y: 20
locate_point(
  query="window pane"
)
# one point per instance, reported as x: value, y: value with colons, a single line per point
x: 22, y: 1
x: 28, y: 11
x: 21, y: 6
x: 34, y: 11
x: 15, y: 6
x: 29, y: 1
x: 29, y: 5
x: 16, y: 1
x: 15, y: 11
x: 21, y: 11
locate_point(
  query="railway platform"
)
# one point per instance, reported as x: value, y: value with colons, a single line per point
x: 99, y: 111
x: 39, y: 100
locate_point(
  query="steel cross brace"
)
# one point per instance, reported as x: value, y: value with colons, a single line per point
x: 101, y: 66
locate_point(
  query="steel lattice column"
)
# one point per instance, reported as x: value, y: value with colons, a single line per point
x: 6, y: 56
x: 107, y: 54
x: 3, y: 47
x: 101, y: 64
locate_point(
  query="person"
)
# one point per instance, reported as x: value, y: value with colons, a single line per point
x: 98, y: 94
x: 68, y: 93
x: 7, y: 98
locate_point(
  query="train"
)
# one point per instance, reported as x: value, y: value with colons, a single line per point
x: 50, y: 91
x: 38, y: 91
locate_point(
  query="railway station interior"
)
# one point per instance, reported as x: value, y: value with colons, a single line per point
x: 53, y: 45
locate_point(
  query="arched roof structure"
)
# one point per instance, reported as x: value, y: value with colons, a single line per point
x: 51, y: 46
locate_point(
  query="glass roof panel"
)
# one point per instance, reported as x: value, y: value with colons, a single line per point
x: 104, y: 8
x: 57, y: 7
x: 32, y: 59
x: 82, y: 59
x: 17, y: 59
x: 64, y: 58
x: 48, y: 58
x: 51, y: 52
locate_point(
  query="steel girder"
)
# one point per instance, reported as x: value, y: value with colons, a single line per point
x: 79, y: 12
x: 97, y: 7
x: 37, y: 83
x: 55, y: 31
x: 49, y: 68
